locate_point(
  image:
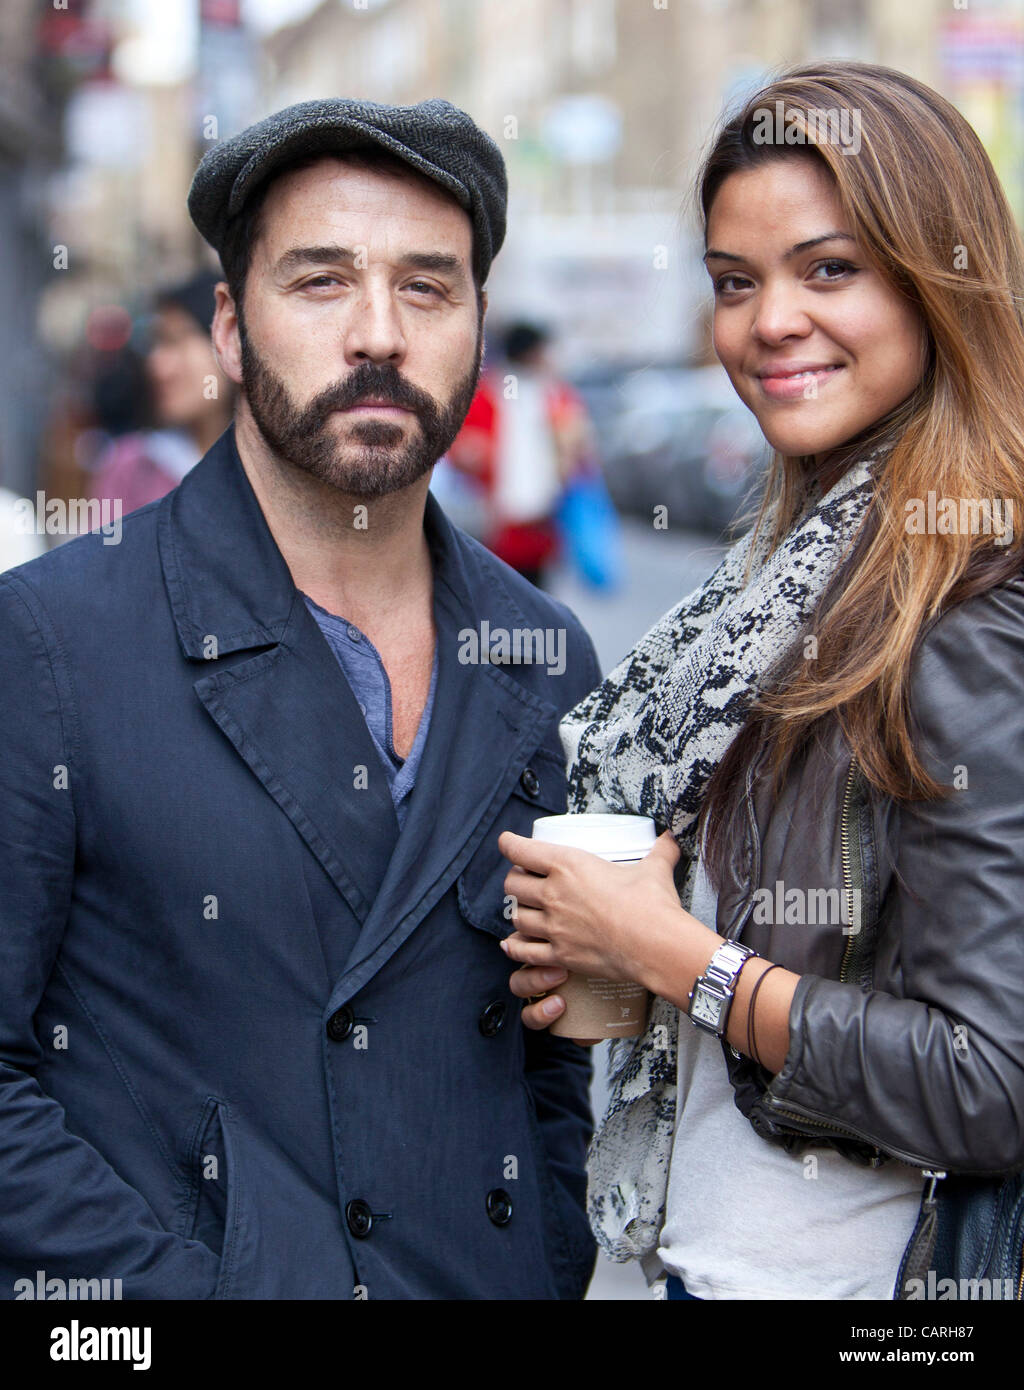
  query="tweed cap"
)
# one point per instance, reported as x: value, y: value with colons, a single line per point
x: 434, y: 137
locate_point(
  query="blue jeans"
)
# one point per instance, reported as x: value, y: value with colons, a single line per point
x: 675, y: 1288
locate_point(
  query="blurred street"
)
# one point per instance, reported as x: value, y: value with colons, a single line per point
x: 662, y: 567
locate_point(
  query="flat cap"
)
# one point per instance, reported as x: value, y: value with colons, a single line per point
x: 434, y: 137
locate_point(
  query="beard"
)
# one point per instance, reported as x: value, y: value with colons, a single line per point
x: 375, y: 457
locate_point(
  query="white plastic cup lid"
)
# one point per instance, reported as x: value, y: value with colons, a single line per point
x: 599, y: 833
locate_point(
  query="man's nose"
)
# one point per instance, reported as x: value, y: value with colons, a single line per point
x: 373, y: 331
x: 780, y: 313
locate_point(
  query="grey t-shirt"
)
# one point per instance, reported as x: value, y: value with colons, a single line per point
x: 365, y: 673
x: 746, y: 1219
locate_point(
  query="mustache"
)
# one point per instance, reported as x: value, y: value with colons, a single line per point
x: 376, y: 382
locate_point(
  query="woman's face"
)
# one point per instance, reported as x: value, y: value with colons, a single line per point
x: 815, y: 342
x: 181, y: 364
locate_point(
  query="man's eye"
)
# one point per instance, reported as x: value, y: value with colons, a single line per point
x: 324, y: 279
x: 423, y: 287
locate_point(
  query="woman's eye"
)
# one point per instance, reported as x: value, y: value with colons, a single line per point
x: 730, y: 284
x: 836, y: 269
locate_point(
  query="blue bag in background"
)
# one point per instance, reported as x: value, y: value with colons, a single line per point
x: 591, y: 531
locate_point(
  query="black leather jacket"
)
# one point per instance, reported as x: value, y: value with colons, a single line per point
x: 907, y: 1025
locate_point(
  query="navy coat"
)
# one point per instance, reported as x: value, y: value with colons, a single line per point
x: 255, y: 1043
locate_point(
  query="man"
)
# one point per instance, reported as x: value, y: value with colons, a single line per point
x: 256, y: 1034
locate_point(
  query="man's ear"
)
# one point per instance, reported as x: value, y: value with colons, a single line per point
x: 227, y: 343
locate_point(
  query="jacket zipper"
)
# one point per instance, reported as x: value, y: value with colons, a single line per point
x: 848, y: 889
x: 918, y: 1234
x: 914, y: 1160
x: 739, y: 917
x: 848, y: 870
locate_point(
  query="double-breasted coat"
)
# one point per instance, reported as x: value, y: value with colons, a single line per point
x: 254, y: 1041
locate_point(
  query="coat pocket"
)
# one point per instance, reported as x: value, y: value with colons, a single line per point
x: 481, y: 885
x: 214, y: 1191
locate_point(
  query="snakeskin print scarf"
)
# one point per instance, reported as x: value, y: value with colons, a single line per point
x: 646, y: 742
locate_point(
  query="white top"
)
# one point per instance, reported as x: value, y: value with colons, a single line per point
x: 805, y: 1226
x: 527, y: 484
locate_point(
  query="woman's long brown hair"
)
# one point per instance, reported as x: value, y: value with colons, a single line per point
x: 927, y: 208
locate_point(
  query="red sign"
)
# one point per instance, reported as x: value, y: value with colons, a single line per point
x: 221, y: 14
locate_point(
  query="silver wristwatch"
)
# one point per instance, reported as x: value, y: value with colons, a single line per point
x: 712, y: 993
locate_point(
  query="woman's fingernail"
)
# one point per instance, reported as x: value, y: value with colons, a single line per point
x: 553, y: 977
x: 504, y: 946
x: 551, y: 1006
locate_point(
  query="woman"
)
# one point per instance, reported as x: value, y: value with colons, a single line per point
x: 192, y: 401
x: 832, y: 730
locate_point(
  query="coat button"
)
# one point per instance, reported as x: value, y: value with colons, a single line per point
x: 339, y: 1025
x: 359, y: 1218
x: 499, y: 1206
x: 492, y: 1020
x: 530, y: 782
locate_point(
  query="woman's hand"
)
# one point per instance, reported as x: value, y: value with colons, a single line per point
x: 576, y: 911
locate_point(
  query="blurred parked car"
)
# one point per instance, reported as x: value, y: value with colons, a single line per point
x: 677, y: 437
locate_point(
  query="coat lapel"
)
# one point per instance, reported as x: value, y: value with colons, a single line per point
x: 288, y: 710
x: 290, y: 713
x: 483, y: 729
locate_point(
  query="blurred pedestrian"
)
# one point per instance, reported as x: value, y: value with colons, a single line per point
x: 191, y: 400
x: 526, y: 434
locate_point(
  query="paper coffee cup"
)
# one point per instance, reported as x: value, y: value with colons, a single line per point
x: 596, y: 1008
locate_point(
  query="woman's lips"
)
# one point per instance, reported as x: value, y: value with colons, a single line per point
x: 792, y: 386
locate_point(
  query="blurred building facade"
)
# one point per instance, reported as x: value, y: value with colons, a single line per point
x: 601, y: 107
x: 30, y: 150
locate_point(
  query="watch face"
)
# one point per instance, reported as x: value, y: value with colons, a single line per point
x: 706, y: 1008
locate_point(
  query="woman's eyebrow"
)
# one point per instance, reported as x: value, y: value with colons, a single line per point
x: 712, y: 255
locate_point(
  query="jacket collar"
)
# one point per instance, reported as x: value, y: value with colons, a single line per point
x: 291, y: 715
x: 226, y: 577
